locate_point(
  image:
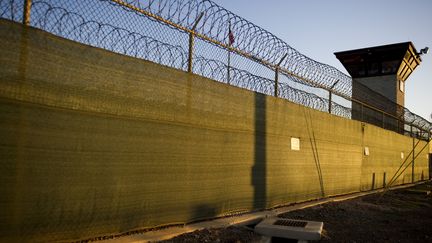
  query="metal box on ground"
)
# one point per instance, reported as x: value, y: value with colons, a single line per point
x: 290, y: 229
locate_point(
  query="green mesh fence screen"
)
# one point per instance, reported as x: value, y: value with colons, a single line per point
x: 96, y: 143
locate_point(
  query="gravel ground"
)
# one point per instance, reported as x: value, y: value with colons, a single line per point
x: 395, y: 216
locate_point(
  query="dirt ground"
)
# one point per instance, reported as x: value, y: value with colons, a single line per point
x: 395, y: 216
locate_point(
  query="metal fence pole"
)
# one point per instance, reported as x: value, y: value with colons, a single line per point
x: 413, y: 155
x: 26, y: 12
x: 277, y: 75
x: 229, y: 52
x: 276, y: 82
x: 191, y: 42
x: 330, y: 96
x: 399, y: 128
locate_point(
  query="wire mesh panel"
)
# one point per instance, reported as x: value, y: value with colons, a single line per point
x: 12, y: 9
x: 214, y: 43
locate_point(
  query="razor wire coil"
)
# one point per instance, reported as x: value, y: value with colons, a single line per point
x: 155, y: 42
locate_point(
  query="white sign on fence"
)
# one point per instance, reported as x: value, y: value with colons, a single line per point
x: 366, y: 151
x: 295, y: 143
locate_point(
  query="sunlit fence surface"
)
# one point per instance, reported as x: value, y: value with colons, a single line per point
x: 201, y: 37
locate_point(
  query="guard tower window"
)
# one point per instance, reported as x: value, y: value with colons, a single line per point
x: 374, y: 68
x: 390, y: 66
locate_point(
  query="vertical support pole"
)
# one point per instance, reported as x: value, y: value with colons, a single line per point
x: 430, y: 156
x: 276, y: 81
x: 413, y: 155
x: 361, y: 110
x: 191, y: 42
x: 330, y: 96
x: 26, y: 12
x: 398, y: 126
x: 229, y: 67
x: 230, y: 42
x: 277, y: 75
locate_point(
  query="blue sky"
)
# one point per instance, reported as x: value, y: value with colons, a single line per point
x: 320, y: 28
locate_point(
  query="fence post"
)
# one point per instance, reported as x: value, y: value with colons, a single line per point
x: 330, y: 96
x: 399, y: 128
x: 277, y: 75
x: 191, y: 42
x: 26, y: 12
x: 413, y: 155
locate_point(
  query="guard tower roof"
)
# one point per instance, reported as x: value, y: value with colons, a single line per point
x: 400, y: 59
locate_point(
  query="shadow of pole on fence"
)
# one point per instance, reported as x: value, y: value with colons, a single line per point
x: 259, y: 170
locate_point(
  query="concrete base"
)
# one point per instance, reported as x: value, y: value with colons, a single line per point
x: 240, y: 220
x: 295, y: 229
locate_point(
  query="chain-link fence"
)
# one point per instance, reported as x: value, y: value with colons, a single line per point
x: 201, y: 37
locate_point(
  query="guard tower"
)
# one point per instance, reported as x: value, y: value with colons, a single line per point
x: 379, y: 74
